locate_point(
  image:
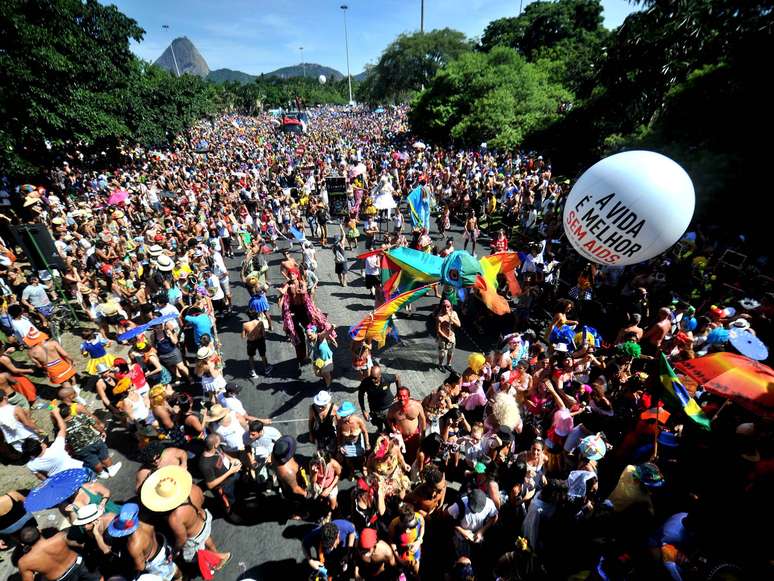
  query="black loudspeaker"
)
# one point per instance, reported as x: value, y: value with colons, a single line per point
x: 45, y: 256
x: 337, y: 184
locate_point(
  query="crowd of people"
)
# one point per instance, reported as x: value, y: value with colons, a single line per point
x: 549, y: 453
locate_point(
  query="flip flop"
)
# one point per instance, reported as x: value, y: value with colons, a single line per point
x: 223, y: 561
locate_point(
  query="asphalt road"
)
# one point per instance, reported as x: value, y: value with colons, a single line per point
x: 268, y: 546
x: 271, y: 548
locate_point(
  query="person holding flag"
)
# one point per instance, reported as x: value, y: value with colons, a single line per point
x: 676, y: 396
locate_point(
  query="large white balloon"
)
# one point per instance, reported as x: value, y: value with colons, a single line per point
x: 322, y: 79
x: 629, y: 207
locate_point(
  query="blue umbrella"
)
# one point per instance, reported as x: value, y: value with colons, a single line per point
x: 56, y: 489
x: 140, y: 329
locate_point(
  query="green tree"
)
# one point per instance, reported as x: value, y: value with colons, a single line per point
x: 543, y: 25
x: 496, y: 97
x: 682, y: 78
x: 411, y: 61
x: 567, y: 37
x: 160, y: 105
x: 64, y: 70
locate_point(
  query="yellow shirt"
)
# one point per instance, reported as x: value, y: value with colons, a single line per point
x: 183, y: 270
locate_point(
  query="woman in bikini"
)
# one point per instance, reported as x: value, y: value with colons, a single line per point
x: 352, y: 438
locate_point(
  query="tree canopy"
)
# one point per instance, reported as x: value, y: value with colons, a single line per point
x: 410, y: 62
x: 496, y: 97
x: 544, y: 25
x: 68, y: 79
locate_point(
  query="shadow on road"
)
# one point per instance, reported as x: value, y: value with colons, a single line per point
x: 271, y: 570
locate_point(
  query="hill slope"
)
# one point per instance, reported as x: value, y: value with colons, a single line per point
x: 312, y: 70
x: 187, y: 57
x: 224, y: 75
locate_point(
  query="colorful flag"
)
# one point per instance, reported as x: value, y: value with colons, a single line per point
x: 376, y: 325
x: 677, y: 397
x: 419, y: 204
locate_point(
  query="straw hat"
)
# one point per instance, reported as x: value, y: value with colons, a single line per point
x: 155, y: 250
x: 165, y: 263
x: 118, y: 214
x: 216, y: 413
x: 87, y: 514
x: 166, y: 488
x: 205, y: 352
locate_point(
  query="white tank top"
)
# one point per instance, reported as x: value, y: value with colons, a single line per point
x: 232, y: 434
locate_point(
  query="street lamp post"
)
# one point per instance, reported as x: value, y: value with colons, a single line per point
x: 172, y: 48
x: 422, y: 18
x: 344, y: 8
x: 303, y: 64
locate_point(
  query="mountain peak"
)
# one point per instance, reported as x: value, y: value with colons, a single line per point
x: 182, y: 57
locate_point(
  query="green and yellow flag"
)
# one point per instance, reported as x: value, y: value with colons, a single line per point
x: 676, y: 397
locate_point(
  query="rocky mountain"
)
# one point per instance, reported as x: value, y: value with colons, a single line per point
x: 189, y: 60
x: 313, y: 70
x: 224, y: 75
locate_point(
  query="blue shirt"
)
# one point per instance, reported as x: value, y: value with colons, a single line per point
x: 323, y: 351
x: 346, y: 528
x: 201, y: 325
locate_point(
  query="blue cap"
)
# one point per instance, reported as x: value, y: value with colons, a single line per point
x: 346, y: 409
x: 668, y: 439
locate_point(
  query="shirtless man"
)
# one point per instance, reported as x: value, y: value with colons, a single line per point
x: 407, y: 417
x: 430, y: 493
x: 190, y: 523
x: 288, y: 264
x: 170, y: 490
x: 470, y: 232
x: 654, y: 336
x: 633, y: 328
x: 154, y: 456
x: 7, y: 384
x: 287, y: 470
x: 375, y: 558
x: 148, y: 550
x: 52, y: 558
x: 50, y: 356
x: 254, y: 332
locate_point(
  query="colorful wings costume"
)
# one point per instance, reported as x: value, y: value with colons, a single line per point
x: 408, y: 275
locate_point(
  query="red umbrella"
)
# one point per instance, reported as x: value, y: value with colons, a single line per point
x: 740, y: 379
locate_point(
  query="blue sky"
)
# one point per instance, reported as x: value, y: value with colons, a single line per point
x: 257, y: 36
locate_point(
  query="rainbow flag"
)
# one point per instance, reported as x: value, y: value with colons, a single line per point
x: 505, y: 263
x: 378, y: 324
x: 677, y: 397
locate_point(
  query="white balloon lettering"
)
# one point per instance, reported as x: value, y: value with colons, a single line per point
x: 628, y: 207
